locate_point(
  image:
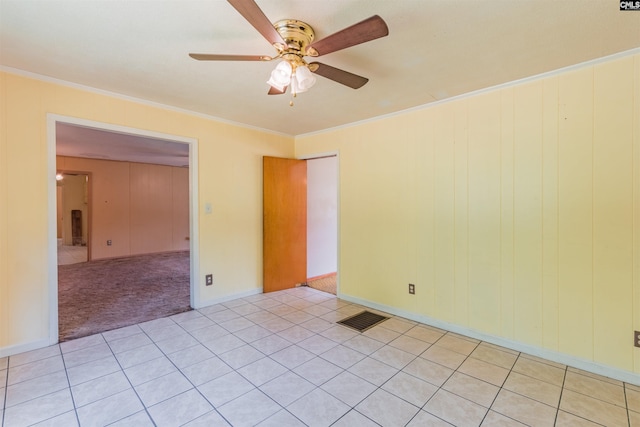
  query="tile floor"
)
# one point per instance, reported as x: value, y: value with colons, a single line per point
x: 71, y: 254
x: 280, y: 360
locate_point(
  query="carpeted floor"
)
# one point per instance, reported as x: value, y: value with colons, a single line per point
x: 101, y: 295
x: 326, y: 283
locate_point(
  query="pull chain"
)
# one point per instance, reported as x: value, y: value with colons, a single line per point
x: 293, y: 87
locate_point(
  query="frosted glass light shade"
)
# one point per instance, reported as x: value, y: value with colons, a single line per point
x: 281, y: 76
x: 303, y: 79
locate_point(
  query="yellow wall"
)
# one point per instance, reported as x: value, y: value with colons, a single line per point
x: 229, y: 177
x: 516, y: 212
x: 142, y: 208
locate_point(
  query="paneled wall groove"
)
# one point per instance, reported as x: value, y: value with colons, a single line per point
x: 136, y: 206
x: 535, y: 209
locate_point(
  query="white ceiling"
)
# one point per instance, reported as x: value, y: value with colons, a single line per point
x: 81, y: 141
x: 436, y: 49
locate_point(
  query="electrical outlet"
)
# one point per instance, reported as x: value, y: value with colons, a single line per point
x: 208, y: 279
x: 412, y: 289
x: 636, y: 338
x: 108, y: 242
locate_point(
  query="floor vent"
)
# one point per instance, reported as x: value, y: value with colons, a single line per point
x: 363, y: 321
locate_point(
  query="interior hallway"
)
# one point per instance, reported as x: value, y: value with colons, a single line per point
x: 71, y: 254
x: 279, y: 359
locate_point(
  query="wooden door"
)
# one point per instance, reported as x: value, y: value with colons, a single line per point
x: 284, y: 223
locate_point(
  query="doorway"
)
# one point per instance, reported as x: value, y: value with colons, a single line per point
x: 54, y: 125
x: 73, y: 214
x: 300, y: 222
x: 322, y: 223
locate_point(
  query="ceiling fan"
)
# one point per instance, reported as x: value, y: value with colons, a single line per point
x: 293, y: 40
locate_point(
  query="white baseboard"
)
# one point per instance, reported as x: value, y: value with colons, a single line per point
x: 21, y: 348
x: 205, y: 303
x: 554, y: 356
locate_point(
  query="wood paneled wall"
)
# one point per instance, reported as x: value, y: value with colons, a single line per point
x: 142, y: 208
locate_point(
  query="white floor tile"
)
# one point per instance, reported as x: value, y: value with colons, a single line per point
x: 349, y: 388
x: 295, y: 334
x: 226, y: 388
x: 37, y: 387
x: 68, y: 419
x: 318, y: 408
x: 163, y: 388
x: 206, y: 370
x: 130, y: 342
x: 138, y: 355
x: 110, y: 409
x: 190, y: 356
x: 34, y: 369
x: 354, y: 418
x: 117, y: 334
x: 86, y: 355
x: 39, y: 409
x: 210, y: 419
x: 271, y: 344
x: 287, y: 388
x: 92, y: 370
x: 387, y: 409
x: 343, y: 356
x: 139, y: 419
x: 393, y: 356
x: 261, y: 371
x: 282, y: 419
x: 99, y: 388
x: 180, y: 409
x: 282, y: 361
x: 241, y: 356
x: 249, y: 409
x: 410, y: 388
x: 292, y: 357
x: 177, y: 343
x: 30, y: 356
x: 373, y: 371
x: 318, y: 371
x: 81, y: 343
x: 150, y: 370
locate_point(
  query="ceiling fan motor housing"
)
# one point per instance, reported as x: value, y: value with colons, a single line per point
x: 296, y: 34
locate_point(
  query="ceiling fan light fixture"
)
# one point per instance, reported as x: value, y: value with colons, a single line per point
x: 293, y: 40
x: 302, y: 79
x: 281, y: 76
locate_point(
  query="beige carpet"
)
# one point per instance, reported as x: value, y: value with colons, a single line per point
x: 325, y: 284
x: 101, y: 295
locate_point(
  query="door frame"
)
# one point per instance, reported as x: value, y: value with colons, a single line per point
x: 52, y: 250
x: 335, y: 154
x: 89, y: 204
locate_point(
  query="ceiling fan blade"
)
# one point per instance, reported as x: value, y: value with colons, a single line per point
x: 367, y: 30
x: 252, y: 13
x: 274, y: 91
x: 346, y: 78
x: 212, y: 57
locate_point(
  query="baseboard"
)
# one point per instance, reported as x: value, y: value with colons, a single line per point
x: 554, y: 356
x: 205, y: 303
x: 21, y: 348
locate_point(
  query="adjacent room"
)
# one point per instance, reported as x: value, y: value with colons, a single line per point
x: 464, y: 175
x: 122, y: 209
